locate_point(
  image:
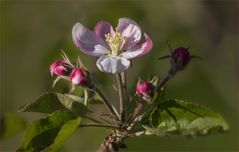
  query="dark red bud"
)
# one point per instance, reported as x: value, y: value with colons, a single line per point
x: 181, y: 55
x: 179, y: 59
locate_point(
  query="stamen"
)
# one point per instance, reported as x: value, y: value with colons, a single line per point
x: 115, y: 42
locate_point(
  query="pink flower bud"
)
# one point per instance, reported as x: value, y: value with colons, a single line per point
x: 78, y: 77
x: 145, y: 88
x: 58, y: 68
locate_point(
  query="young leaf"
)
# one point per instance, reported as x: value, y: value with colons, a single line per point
x: 49, y: 132
x: 50, y: 102
x: 184, y: 118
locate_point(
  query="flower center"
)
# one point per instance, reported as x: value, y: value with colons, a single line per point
x: 115, y: 42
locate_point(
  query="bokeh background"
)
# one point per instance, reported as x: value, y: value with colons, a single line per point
x: 33, y: 32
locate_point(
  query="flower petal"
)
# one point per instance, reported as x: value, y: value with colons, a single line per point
x: 130, y: 30
x: 139, y: 49
x: 87, y: 41
x: 102, y: 28
x: 112, y: 64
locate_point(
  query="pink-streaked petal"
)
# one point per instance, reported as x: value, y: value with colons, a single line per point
x: 139, y: 49
x: 130, y: 30
x: 60, y: 70
x: 112, y: 64
x: 87, y: 41
x: 102, y: 28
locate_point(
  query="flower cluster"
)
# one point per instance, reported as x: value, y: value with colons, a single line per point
x: 114, y: 47
x: 146, y: 111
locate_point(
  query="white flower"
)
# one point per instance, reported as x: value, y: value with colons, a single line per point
x: 114, y: 48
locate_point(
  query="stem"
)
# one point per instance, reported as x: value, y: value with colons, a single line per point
x: 98, y: 125
x: 121, y: 97
x: 107, y: 103
x: 165, y: 80
x: 124, y: 82
x: 86, y: 96
x: 123, y: 75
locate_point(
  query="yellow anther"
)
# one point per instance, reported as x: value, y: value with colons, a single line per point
x: 115, y: 42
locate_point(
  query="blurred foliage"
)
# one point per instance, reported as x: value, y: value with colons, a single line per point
x: 10, y: 125
x: 33, y: 32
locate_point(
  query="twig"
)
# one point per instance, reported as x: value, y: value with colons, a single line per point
x: 121, y: 97
x: 114, y: 142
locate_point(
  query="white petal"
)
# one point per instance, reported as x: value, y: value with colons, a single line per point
x: 112, y: 64
x: 87, y: 41
x: 130, y: 30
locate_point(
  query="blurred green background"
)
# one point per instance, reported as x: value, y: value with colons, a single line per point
x: 33, y: 32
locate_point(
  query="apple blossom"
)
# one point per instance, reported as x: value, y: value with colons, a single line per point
x: 114, y: 48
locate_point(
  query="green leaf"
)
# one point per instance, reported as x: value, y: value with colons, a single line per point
x: 49, y: 132
x: 46, y: 103
x: 177, y: 117
x: 66, y: 131
x: 50, y: 102
x: 11, y: 124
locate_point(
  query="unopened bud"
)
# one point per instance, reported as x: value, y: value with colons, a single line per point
x: 180, y: 58
x: 59, y: 68
x: 145, y: 88
x: 80, y: 76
